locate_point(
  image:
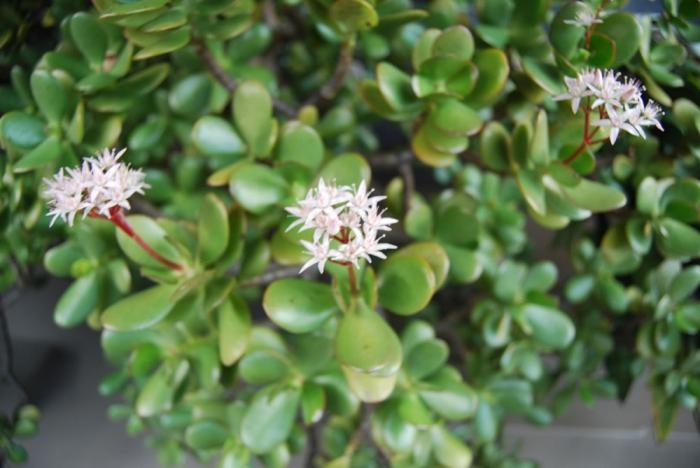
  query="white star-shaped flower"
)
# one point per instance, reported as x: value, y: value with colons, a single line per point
x: 98, y: 185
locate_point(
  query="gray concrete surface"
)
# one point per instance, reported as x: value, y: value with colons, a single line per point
x: 75, y: 432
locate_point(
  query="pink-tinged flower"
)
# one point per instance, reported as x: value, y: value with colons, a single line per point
x: 359, y: 200
x: 605, y: 88
x: 621, y: 102
x: 350, y: 252
x: 617, y: 121
x: 98, y: 185
x: 345, y: 221
x: 584, y: 18
x: 375, y: 220
x: 320, y: 253
x: 577, y: 89
x: 303, y: 212
x: 372, y: 246
x: 650, y: 113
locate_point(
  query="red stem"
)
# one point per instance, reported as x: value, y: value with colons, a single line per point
x: 586, y: 135
x: 116, y: 216
x: 344, y: 237
x: 589, y: 30
x: 353, y: 281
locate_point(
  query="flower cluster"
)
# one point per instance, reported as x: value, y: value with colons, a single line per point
x: 619, y: 102
x: 584, y: 18
x: 99, y: 185
x: 346, y: 221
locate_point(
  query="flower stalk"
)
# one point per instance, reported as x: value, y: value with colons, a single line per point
x: 100, y: 188
x: 116, y: 217
x: 619, y: 102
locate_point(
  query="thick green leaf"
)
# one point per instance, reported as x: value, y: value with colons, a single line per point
x: 45, y: 154
x: 49, y: 95
x: 77, y: 301
x: 405, y: 284
x: 164, y: 42
x: 549, y: 327
x: 594, y: 196
x: 365, y: 342
x: 234, y: 330
x: 395, y: 86
x: 676, y: 239
x: 434, y: 255
x: 268, y: 420
x: 450, y: 451
x: 454, y: 118
x: 547, y: 76
x: 455, y: 41
x: 141, y: 310
x: 369, y: 352
x: 313, y: 402
x: 59, y: 260
x: 148, y: 135
x: 493, y: 73
x: 565, y: 37
x: 485, y: 422
x: 532, y: 188
x: 252, y: 112
x: 21, y: 131
x: 426, y: 358
x: 190, y: 96
x: 299, y: 306
x: 257, y: 188
x: 154, y: 235
x: 495, y: 146
x: 465, y: 265
x: 158, y: 393
x: 89, y: 37
x: 214, y: 136
x: 206, y: 435
x: 262, y: 367
x: 539, y: 148
x: 346, y: 169
x: 212, y: 229
x: 429, y: 154
x: 625, y: 32
x: 301, y: 144
x: 423, y: 47
x: 450, y: 400
x: 354, y: 15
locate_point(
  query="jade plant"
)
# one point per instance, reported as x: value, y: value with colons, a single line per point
x: 360, y: 232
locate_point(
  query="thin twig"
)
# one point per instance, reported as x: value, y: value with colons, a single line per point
x: 454, y: 341
x: 272, y: 20
x: 270, y: 276
x: 332, y: 87
x: 389, y: 160
x: 409, y: 182
x: 312, y: 436
x: 143, y: 206
x: 227, y: 81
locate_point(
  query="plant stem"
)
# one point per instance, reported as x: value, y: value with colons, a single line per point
x: 587, y: 135
x: 331, y: 88
x: 409, y: 183
x: 227, y: 81
x: 352, y: 279
x: 269, y: 277
x: 116, y: 216
x: 591, y: 28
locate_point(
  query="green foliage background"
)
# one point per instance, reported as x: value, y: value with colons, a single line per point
x: 235, y: 108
